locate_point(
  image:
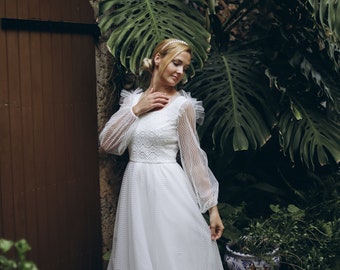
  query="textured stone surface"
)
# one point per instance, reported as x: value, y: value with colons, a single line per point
x: 110, y: 170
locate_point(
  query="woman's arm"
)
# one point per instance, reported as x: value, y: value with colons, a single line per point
x: 195, y: 164
x: 116, y: 133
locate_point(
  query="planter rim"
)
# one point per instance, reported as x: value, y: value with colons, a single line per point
x: 245, y: 255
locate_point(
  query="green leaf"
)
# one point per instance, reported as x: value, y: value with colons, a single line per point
x: 313, y: 138
x: 234, y: 99
x: 295, y: 111
x: 7, y: 264
x: 135, y: 27
x: 275, y: 208
x: 28, y: 266
x: 293, y: 209
x: 22, y: 246
x: 327, y: 11
x: 5, y: 245
x: 106, y: 256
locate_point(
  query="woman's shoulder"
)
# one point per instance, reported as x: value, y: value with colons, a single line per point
x: 129, y: 96
x: 187, y: 100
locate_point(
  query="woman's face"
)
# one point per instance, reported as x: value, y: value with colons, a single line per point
x: 175, y: 70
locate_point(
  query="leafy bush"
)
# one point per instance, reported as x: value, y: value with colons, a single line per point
x: 19, y: 262
x: 303, y: 243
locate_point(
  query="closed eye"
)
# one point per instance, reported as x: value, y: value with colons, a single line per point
x: 179, y: 63
x: 176, y: 63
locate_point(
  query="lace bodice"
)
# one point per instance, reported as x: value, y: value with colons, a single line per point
x: 144, y: 149
x: 157, y: 137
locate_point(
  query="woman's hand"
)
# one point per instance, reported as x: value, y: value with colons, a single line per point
x: 150, y: 100
x: 216, y: 225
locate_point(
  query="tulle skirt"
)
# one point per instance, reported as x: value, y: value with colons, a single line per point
x: 158, y: 223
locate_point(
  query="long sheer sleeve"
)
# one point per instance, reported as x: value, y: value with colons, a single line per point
x: 194, y: 159
x: 116, y: 134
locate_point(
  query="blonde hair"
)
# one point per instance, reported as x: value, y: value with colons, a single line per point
x: 168, y: 49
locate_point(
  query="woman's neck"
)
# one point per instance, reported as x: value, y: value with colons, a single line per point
x: 169, y: 90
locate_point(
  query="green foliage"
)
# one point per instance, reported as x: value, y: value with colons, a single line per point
x: 303, y: 103
x: 327, y: 12
x: 303, y: 243
x: 106, y: 256
x: 234, y: 98
x: 305, y: 231
x: 20, y: 262
x: 136, y: 26
x: 279, y: 74
x: 234, y: 218
x: 306, y: 133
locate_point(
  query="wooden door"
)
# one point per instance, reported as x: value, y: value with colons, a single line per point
x: 49, y: 188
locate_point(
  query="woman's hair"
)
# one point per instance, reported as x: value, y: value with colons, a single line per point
x: 168, y: 49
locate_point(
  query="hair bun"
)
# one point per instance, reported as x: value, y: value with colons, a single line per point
x: 146, y: 65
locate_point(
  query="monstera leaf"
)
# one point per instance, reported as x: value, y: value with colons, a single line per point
x: 135, y: 27
x: 233, y: 95
x: 306, y: 134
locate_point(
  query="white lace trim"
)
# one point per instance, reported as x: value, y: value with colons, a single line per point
x: 197, y: 104
x: 125, y: 95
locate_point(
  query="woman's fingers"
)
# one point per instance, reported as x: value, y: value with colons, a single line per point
x: 216, y: 232
x: 216, y: 224
x: 151, y: 100
x: 156, y: 99
x: 158, y: 102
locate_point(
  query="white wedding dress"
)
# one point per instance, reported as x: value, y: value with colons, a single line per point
x: 159, y: 225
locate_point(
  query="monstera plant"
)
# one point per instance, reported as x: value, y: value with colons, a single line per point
x: 135, y: 27
x: 233, y: 89
x: 268, y: 67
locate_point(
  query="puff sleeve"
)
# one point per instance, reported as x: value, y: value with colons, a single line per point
x: 194, y: 159
x: 116, y: 134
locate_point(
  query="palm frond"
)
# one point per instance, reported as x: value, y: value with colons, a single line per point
x: 234, y: 99
x: 135, y: 27
x: 312, y: 138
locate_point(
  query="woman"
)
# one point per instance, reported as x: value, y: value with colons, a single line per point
x: 159, y: 225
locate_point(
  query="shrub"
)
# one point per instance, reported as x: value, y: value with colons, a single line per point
x: 19, y: 261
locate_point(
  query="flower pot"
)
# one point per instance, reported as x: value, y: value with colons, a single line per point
x: 239, y: 261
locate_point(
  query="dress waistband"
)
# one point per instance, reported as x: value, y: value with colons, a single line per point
x: 153, y: 161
